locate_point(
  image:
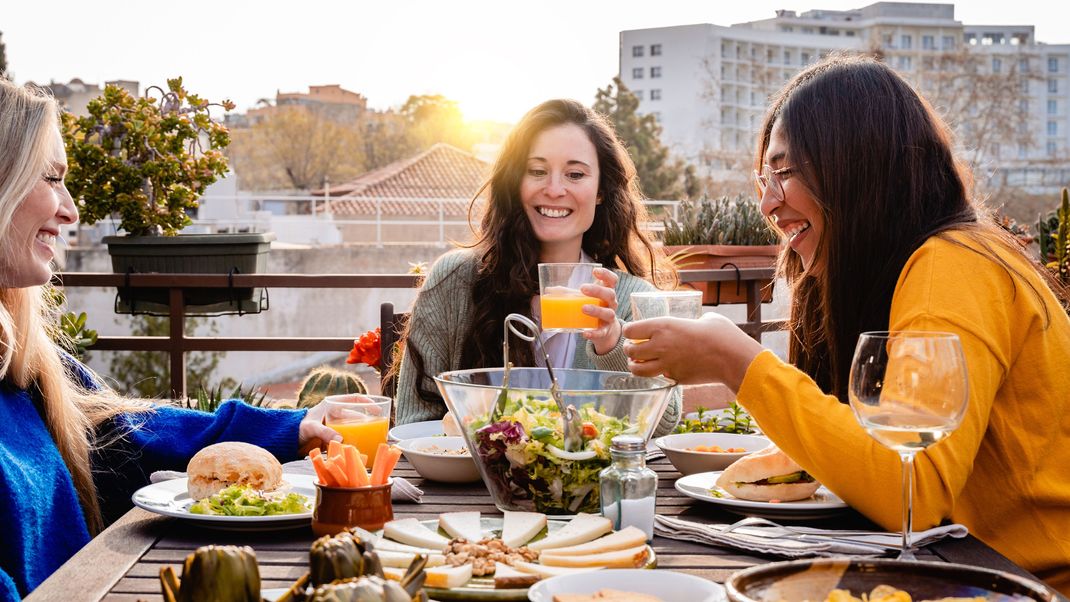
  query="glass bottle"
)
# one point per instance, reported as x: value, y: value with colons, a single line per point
x: 628, y: 487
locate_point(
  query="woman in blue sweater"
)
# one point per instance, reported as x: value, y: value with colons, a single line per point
x: 71, y: 451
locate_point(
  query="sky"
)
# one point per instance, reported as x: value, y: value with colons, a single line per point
x: 497, y: 58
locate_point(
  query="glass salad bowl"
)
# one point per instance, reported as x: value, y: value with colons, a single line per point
x: 515, y: 434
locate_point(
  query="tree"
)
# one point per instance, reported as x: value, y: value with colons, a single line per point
x: 660, y: 175
x: 297, y: 147
x: 386, y: 138
x: 148, y: 373
x: 434, y: 118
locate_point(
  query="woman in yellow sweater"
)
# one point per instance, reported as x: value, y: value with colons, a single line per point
x: 856, y: 172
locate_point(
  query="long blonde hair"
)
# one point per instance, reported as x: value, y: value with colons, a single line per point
x: 29, y: 358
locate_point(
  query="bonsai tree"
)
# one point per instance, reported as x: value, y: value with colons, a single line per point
x: 145, y: 160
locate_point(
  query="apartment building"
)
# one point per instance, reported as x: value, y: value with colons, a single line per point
x: 709, y: 85
x: 76, y: 94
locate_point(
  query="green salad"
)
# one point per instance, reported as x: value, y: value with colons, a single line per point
x: 523, y: 453
x: 242, y: 500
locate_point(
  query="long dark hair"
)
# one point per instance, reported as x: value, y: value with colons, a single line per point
x: 507, y: 275
x: 878, y: 160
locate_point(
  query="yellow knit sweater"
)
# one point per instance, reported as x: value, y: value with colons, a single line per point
x: 1005, y: 473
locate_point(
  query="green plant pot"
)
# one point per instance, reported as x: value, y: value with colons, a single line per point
x: 190, y: 254
x: 707, y: 257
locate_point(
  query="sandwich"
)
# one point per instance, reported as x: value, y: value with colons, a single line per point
x: 768, y: 475
x: 219, y: 466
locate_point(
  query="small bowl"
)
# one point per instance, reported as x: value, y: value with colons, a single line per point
x: 813, y: 580
x: 666, y: 585
x: 676, y: 447
x: 339, y: 508
x: 447, y: 468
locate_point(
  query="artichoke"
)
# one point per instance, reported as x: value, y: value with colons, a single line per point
x: 214, y: 574
x: 363, y: 589
x: 343, y: 556
x: 343, y: 569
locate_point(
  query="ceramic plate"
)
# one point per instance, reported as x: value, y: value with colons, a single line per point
x: 668, y: 586
x: 482, y: 588
x: 703, y: 486
x: 170, y: 498
x: 429, y: 428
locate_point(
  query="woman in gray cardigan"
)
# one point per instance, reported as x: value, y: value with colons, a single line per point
x: 562, y: 190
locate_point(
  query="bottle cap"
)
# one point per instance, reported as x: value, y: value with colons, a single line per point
x: 627, y: 443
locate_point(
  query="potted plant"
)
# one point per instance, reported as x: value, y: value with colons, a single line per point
x: 720, y: 233
x: 146, y: 161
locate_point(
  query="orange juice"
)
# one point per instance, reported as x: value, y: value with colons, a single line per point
x: 366, y: 435
x: 565, y: 312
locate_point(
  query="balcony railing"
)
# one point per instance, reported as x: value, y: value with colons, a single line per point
x: 177, y: 344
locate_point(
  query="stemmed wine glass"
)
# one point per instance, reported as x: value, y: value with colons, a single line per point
x: 908, y: 389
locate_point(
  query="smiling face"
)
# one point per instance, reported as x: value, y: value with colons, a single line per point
x: 31, y: 237
x: 559, y: 191
x: 798, y: 216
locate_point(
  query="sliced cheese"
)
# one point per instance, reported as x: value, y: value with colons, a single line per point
x: 506, y: 577
x: 389, y: 545
x: 519, y: 527
x: 448, y: 576
x: 410, y: 531
x: 464, y: 525
x: 393, y: 573
x: 629, y: 537
x: 402, y: 560
x: 581, y: 529
x: 618, y: 559
x: 551, y: 571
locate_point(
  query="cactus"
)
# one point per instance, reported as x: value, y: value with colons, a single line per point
x: 1062, y: 239
x: 324, y: 381
x: 214, y: 574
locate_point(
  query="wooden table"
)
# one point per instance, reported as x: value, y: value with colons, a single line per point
x: 123, y: 563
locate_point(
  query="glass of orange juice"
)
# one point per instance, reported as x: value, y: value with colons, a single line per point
x: 560, y: 300
x: 362, y: 420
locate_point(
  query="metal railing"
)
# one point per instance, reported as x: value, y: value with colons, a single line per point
x: 177, y: 343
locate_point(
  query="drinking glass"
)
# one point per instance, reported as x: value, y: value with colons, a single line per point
x: 362, y: 420
x: 657, y: 304
x: 560, y: 300
x: 909, y: 390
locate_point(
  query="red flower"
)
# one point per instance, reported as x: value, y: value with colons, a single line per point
x: 366, y: 350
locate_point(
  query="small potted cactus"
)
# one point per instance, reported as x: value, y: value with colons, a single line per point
x: 325, y: 381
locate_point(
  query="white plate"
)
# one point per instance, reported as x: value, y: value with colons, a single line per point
x: 429, y: 428
x: 170, y: 498
x: 699, y: 486
x: 668, y: 586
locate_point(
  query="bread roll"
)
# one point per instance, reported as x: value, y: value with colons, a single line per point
x: 741, y: 477
x: 232, y: 463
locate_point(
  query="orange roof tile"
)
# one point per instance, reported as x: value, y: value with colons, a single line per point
x: 414, y: 186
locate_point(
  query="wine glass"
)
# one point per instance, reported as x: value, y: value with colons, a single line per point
x: 908, y: 389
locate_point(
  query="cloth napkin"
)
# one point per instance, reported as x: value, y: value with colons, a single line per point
x: 402, y: 491
x: 653, y: 452
x: 767, y: 537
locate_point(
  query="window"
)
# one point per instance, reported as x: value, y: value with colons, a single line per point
x: 1051, y: 149
x: 638, y: 94
x: 1023, y: 65
x: 808, y: 30
x: 904, y: 63
x: 655, y: 94
x: 637, y: 73
x: 655, y: 72
x: 1053, y: 86
x: 949, y: 43
x: 655, y: 50
x: 997, y: 65
x: 971, y: 39
x: 1053, y: 107
x: 849, y: 33
x: 928, y: 42
x: 1053, y: 128
x: 637, y: 51
x: 787, y: 57
x: 1024, y: 86
x: 769, y: 55
x: 1053, y: 65
x: 804, y: 58
x: 905, y: 42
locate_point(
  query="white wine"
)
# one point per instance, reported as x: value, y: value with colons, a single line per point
x: 907, y: 431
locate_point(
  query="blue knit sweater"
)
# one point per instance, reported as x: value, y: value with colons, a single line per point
x: 41, y: 521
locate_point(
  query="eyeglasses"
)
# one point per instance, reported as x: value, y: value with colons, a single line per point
x: 772, y: 180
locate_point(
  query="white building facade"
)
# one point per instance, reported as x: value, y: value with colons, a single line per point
x: 709, y: 85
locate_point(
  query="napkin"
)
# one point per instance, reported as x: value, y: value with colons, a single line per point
x: 653, y: 452
x: 754, y: 534
x: 402, y: 491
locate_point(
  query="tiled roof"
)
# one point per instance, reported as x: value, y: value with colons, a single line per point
x: 414, y: 186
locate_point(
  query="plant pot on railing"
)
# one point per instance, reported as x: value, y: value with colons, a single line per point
x: 706, y: 257
x: 191, y: 254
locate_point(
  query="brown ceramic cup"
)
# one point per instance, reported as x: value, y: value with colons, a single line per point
x: 339, y: 508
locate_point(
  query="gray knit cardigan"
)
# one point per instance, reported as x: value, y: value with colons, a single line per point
x: 441, y: 317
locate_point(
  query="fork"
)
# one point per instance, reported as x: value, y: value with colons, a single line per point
x: 793, y: 533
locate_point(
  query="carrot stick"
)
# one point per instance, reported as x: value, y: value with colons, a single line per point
x: 315, y: 452
x: 335, y: 466
x: 334, y: 448
x: 355, y: 471
x: 364, y: 459
x: 392, y: 456
x: 324, y: 475
x: 378, y: 465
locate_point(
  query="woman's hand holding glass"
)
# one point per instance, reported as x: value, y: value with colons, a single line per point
x: 710, y: 349
x: 607, y: 334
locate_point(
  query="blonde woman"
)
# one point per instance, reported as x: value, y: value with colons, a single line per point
x: 72, y: 452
